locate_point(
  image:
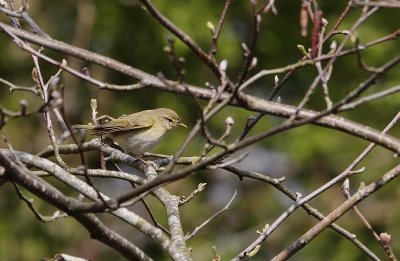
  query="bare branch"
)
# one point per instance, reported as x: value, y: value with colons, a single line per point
x: 198, y: 228
x: 183, y: 200
x: 360, y: 195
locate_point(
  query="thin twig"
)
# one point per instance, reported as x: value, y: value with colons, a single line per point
x: 183, y: 200
x: 198, y: 228
x: 369, y: 98
x: 386, y: 4
x: 182, y: 36
x: 29, y: 203
x: 217, y: 31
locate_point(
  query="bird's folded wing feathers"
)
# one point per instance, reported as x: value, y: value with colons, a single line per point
x: 122, y: 124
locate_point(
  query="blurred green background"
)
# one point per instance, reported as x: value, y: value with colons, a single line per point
x: 308, y: 156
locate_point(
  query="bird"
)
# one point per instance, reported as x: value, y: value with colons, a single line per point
x: 138, y: 132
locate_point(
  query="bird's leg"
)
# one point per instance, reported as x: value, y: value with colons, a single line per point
x: 144, y: 164
x: 104, y: 141
x: 102, y: 161
x: 138, y: 157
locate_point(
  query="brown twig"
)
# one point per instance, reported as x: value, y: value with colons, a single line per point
x: 182, y: 36
x: 217, y: 31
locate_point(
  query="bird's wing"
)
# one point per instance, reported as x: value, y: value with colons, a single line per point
x: 123, y: 123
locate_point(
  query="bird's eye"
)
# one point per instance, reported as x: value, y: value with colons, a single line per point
x: 170, y: 120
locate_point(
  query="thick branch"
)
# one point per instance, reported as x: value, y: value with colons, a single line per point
x: 76, y: 207
x: 48, y: 193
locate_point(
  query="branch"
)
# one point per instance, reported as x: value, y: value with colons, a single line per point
x: 387, y: 4
x: 360, y: 195
x: 277, y: 183
x: 171, y: 204
x: 48, y: 193
x: 198, y: 228
x: 77, y: 207
x: 182, y: 36
x: 299, y: 202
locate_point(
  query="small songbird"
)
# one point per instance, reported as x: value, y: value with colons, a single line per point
x: 138, y: 132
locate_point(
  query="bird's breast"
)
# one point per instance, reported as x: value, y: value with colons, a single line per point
x: 139, y: 141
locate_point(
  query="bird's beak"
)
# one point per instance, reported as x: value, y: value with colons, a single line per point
x: 181, y: 124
